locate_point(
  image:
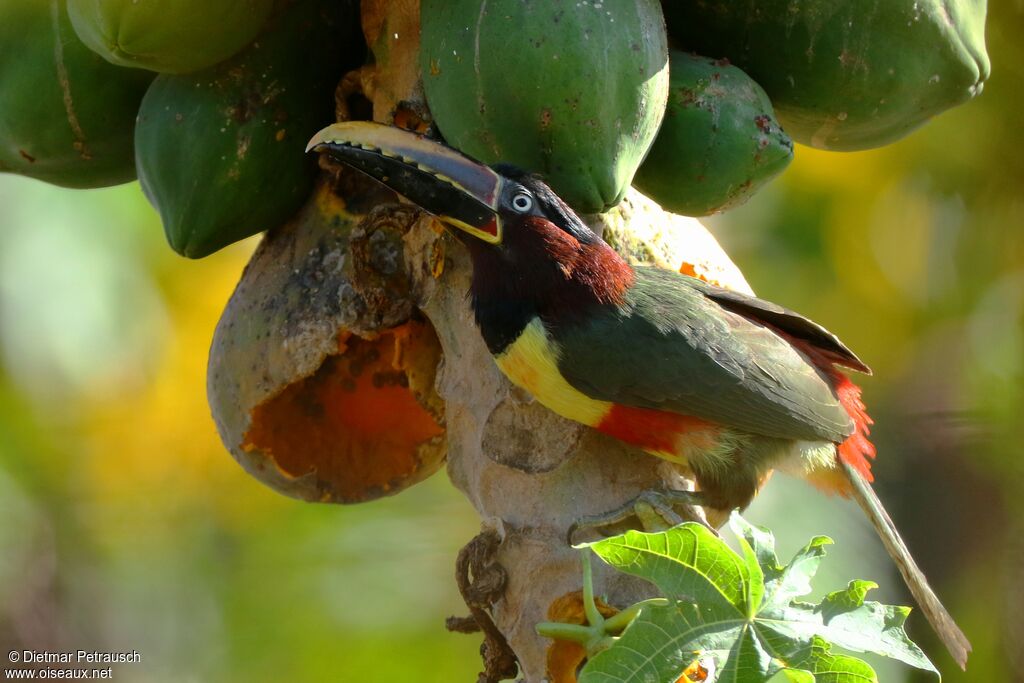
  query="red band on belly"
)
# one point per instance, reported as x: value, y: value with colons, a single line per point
x: 657, y: 430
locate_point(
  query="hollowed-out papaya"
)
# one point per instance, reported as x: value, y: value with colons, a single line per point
x: 719, y: 142
x: 573, y: 91
x: 66, y: 115
x: 322, y: 377
x: 845, y: 74
x: 220, y: 152
x: 169, y: 36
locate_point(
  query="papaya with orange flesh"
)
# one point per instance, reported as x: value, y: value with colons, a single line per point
x: 322, y: 374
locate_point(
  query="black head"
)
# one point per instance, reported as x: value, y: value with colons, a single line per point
x: 532, y: 255
x: 526, y: 195
x: 477, y: 200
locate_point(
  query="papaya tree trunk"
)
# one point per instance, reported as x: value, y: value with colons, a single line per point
x: 528, y: 472
x: 347, y: 366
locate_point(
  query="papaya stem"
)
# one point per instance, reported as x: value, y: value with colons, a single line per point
x: 618, y: 622
x: 556, y: 630
x: 594, y: 617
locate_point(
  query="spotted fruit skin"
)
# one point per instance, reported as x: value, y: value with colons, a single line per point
x: 221, y: 153
x: 321, y: 378
x: 573, y: 91
x: 66, y: 116
x: 719, y: 143
x: 168, y: 36
x: 845, y: 74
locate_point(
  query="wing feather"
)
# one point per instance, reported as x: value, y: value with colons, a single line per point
x: 671, y: 347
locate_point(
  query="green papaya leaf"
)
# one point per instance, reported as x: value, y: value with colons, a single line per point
x: 665, y: 639
x: 845, y: 619
x: 795, y: 579
x: 756, y: 587
x: 821, y: 666
x: 741, y: 611
x: 792, y: 676
x: 687, y: 562
x: 834, y: 668
x: 763, y: 542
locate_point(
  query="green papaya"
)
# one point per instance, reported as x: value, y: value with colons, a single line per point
x: 845, y: 74
x: 221, y: 153
x: 719, y: 142
x: 66, y: 116
x: 168, y: 36
x: 573, y: 91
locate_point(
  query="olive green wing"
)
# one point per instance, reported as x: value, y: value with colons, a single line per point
x: 672, y: 347
x: 791, y: 323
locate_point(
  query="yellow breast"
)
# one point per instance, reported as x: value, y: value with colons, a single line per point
x: 531, y: 362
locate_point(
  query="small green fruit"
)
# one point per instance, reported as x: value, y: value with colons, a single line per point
x: 845, y: 74
x: 574, y: 92
x: 168, y: 36
x: 221, y: 153
x: 719, y: 142
x: 66, y: 116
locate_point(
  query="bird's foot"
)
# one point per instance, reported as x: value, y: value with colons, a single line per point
x: 654, y: 510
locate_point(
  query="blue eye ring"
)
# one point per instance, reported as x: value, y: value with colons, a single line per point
x: 522, y: 202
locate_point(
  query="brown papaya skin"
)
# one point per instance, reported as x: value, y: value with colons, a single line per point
x: 66, y: 115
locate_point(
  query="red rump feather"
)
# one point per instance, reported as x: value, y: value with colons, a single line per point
x: 856, y: 450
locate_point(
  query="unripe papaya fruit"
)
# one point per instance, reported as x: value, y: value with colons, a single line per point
x: 575, y: 92
x: 169, y: 36
x: 845, y: 74
x: 719, y: 142
x: 66, y: 116
x: 220, y: 152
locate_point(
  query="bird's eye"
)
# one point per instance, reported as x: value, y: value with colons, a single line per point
x: 522, y: 202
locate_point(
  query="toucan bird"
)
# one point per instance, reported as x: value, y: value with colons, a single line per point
x: 725, y: 384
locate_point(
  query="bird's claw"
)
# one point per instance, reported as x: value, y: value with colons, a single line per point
x: 655, y: 510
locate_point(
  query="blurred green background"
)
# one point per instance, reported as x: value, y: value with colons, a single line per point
x: 125, y: 525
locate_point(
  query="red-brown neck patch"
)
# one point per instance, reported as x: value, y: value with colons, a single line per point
x: 591, y: 272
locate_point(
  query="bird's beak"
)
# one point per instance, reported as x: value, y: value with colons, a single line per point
x: 458, y: 190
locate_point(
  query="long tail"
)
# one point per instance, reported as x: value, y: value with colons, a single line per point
x: 950, y: 634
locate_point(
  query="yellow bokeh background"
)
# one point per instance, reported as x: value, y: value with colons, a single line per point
x: 124, y: 524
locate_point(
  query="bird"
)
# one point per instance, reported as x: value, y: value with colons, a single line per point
x: 729, y: 386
